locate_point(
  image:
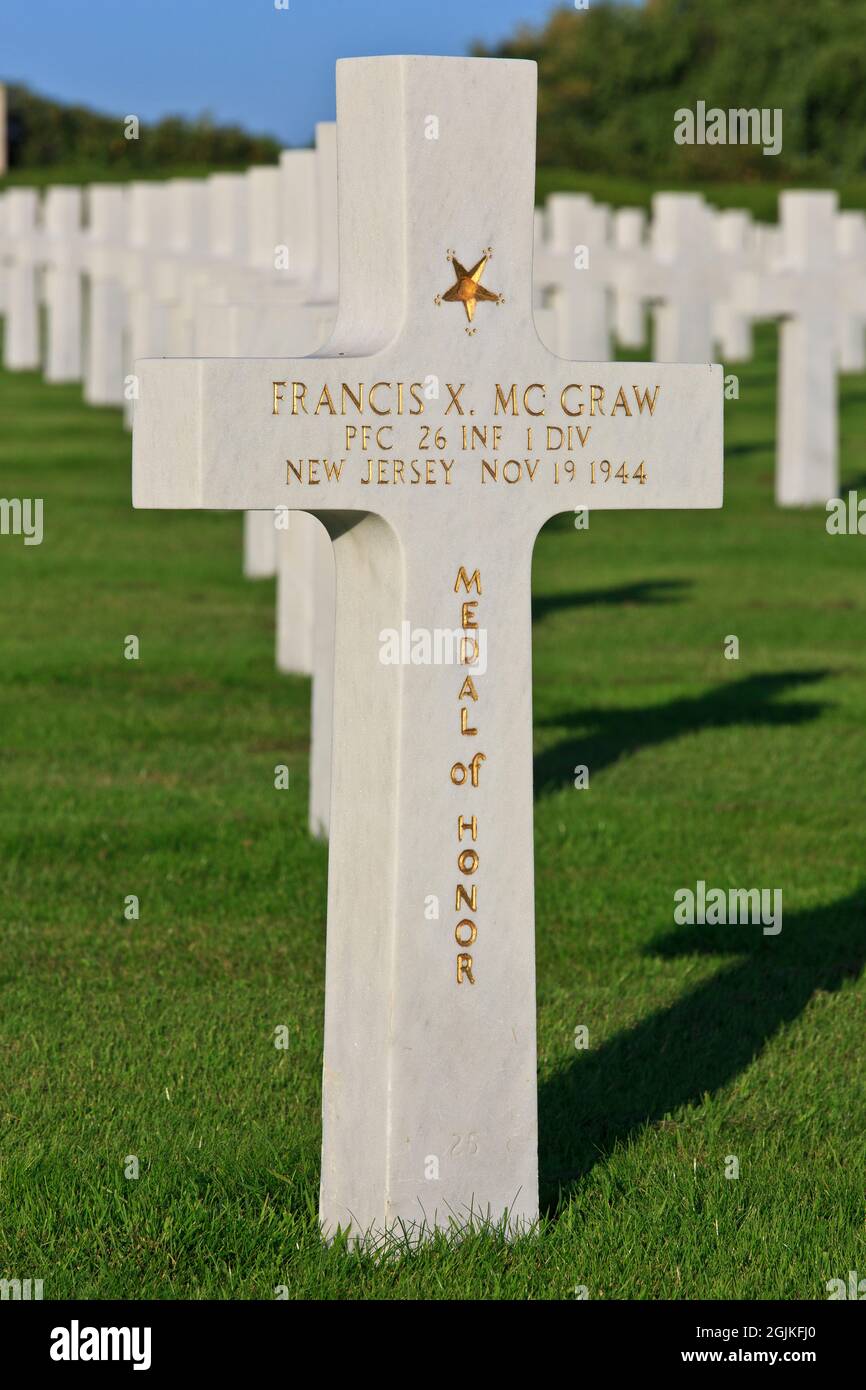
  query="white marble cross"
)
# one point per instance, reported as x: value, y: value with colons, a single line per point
x: 571, y: 265
x: 21, y: 329
x: 62, y: 248
x: 736, y: 250
x: 4, y: 250
x: 148, y: 230
x: 105, y: 301
x: 850, y: 328
x: 433, y: 436
x: 801, y: 288
x: 629, y: 230
x: 678, y: 279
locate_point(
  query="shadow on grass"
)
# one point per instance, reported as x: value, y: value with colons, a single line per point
x: 679, y: 1055
x: 643, y: 592
x: 615, y: 734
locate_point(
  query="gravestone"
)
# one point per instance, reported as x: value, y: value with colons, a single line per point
x: 4, y: 251
x: 148, y: 227
x: 679, y: 280
x: 801, y: 285
x: 426, y: 438
x: 21, y: 328
x: 851, y: 250
x: 186, y: 253
x: 4, y: 137
x: 736, y: 251
x: 629, y: 230
x: 61, y: 256
x: 228, y: 218
x: 571, y: 264
x: 105, y: 301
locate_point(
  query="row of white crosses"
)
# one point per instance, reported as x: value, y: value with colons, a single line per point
x: 219, y: 265
x: 232, y: 264
x: 707, y: 277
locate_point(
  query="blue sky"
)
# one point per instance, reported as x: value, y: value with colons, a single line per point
x: 243, y: 60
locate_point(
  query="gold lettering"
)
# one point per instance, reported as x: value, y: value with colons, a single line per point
x: 374, y: 388
x: 473, y: 932
x: 467, y: 690
x: 278, y: 396
x: 467, y: 862
x: 464, y: 824
x: 470, y: 898
x: 645, y: 400
x: 505, y: 401
x: 620, y: 402
x: 357, y: 401
x: 467, y: 582
x: 464, y: 967
x: 575, y: 386
x: 464, y: 722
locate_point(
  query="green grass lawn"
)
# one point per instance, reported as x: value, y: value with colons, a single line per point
x: 155, y: 1037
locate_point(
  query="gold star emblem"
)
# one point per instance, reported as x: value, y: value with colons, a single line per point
x: 467, y: 288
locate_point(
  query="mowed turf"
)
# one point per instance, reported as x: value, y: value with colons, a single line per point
x: 155, y: 1038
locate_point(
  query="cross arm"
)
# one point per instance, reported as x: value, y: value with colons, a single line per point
x: 539, y: 435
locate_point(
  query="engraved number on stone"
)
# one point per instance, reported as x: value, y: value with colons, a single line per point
x: 603, y: 471
x: 439, y: 439
x: 464, y: 1146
